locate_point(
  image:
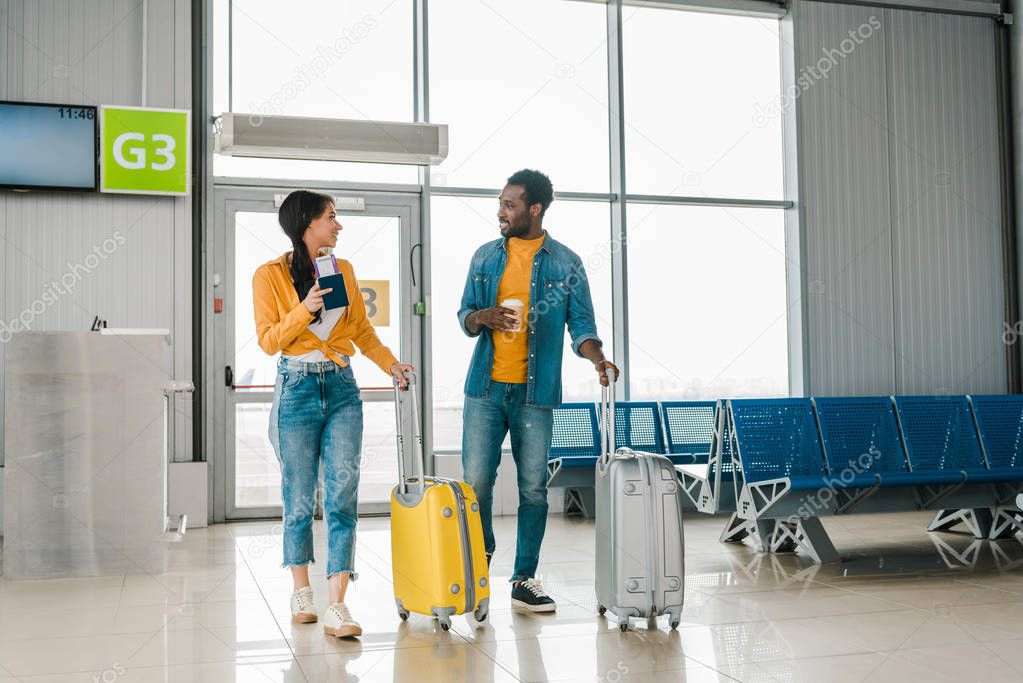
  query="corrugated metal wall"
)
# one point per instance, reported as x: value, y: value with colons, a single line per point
x: 946, y: 203
x: 130, y: 254
x: 901, y: 202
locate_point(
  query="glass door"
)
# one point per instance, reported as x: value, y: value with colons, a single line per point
x: 379, y: 233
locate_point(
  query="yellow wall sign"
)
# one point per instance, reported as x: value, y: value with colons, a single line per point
x: 377, y: 295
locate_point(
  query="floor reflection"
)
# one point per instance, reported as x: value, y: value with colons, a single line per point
x: 895, y: 608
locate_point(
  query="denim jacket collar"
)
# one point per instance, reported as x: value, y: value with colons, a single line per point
x: 546, y: 246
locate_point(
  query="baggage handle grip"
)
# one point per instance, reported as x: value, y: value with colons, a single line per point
x: 417, y: 432
x: 607, y: 420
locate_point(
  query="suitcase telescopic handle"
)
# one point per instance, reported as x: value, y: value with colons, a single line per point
x: 417, y: 432
x: 607, y: 420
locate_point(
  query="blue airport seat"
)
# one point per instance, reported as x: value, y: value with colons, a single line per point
x: 577, y: 461
x: 858, y: 426
x: 575, y: 440
x: 777, y: 439
x: 689, y: 429
x: 852, y: 427
x: 941, y: 440
x: 638, y: 426
x: 709, y: 486
x: 999, y: 421
x: 783, y: 475
x: 575, y: 447
x: 575, y: 432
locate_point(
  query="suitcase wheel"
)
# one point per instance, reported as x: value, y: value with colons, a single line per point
x: 480, y: 614
x: 674, y: 623
x: 623, y: 627
x: 601, y: 609
x: 445, y: 624
x: 403, y: 614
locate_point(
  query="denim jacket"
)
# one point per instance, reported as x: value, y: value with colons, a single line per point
x: 559, y: 296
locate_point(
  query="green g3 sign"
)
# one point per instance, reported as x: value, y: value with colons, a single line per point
x: 145, y: 151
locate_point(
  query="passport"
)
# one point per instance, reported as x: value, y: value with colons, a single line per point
x: 337, y: 298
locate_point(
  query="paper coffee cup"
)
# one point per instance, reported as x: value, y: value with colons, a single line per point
x: 517, y: 306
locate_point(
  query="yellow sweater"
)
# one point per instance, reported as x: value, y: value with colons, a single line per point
x: 282, y: 320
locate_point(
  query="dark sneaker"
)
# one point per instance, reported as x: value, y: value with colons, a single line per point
x: 529, y: 594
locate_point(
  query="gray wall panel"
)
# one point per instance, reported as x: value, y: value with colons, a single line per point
x: 91, y: 53
x: 946, y: 207
x: 901, y: 203
x: 845, y: 186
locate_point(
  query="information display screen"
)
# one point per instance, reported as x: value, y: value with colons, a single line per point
x: 48, y: 146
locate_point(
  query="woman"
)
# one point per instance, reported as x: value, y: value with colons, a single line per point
x: 317, y: 412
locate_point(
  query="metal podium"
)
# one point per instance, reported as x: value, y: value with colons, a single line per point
x: 85, y: 453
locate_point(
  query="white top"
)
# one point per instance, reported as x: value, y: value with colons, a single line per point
x: 328, y: 320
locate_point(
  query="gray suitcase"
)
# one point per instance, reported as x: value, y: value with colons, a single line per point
x: 639, y: 530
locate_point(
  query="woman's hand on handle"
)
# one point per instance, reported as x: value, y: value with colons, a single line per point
x: 314, y: 299
x: 398, y: 371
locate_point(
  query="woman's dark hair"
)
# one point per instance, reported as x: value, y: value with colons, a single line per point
x: 296, y: 213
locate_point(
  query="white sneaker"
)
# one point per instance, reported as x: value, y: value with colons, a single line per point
x: 338, y: 622
x: 302, y: 609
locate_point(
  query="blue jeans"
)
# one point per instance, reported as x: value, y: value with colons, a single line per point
x: 317, y: 416
x: 485, y: 422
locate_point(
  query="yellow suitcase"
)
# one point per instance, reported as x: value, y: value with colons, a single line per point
x: 438, y: 560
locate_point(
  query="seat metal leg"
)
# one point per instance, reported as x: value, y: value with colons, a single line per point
x: 736, y: 529
x: 977, y: 520
x: 581, y: 501
x: 1006, y: 522
x: 807, y: 535
x: 765, y: 530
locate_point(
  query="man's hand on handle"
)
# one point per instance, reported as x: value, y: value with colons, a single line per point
x: 592, y: 351
x: 602, y: 367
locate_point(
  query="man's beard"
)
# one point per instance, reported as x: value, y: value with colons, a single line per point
x: 514, y: 230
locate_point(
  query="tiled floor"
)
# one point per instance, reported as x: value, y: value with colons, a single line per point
x: 903, y: 606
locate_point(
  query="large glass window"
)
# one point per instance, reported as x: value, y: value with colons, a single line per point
x: 699, y: 92
x: 707, y: 306
x: 348, y: 59
x: 522, y: 84
x: 461, y: 225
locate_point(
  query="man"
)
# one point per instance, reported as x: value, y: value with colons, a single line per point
x: 514, y: 381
